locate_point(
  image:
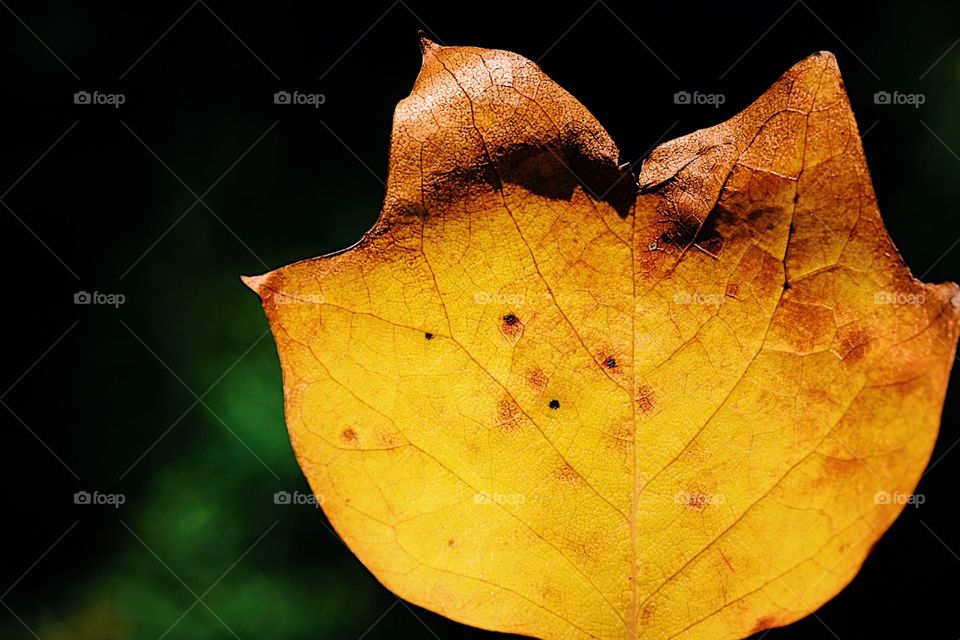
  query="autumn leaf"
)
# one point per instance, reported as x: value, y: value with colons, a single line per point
x: 541, y: 396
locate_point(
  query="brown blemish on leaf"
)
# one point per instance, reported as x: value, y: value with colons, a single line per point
x: 763, y: 624
x: 511, y: 326
x: 536, y: 378
x: 349, y: 435
x: 620, y: 439
x: 801, y: 328
x: 697, y: 500
x: 551, y: 595
x: 567, y: 475
x: 389, y: 440
x: 645, y: 398
x: 726, y: 561
x: 508, y: 415
x: 646, y: 616
x: 733, y: 290
x: 854, y: 346
x: 586, y: 548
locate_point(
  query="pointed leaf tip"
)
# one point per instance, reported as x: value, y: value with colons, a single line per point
x: 426, y: 44
x: 256, y: 283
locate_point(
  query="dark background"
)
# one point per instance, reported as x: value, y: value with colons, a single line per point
x: 104, y: 199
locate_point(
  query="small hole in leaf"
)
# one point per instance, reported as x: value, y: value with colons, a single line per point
x: 610, y: 362
x: 554, y: 404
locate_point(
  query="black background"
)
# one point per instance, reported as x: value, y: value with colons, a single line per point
x: 199, y: 81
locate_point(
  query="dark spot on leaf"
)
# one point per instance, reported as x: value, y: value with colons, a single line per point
x: 428, y: 336
x: 796, y: 197
x: 554, y: 404
x: 451, y: 542
x: 511, y: 327
x: 610, y: 362
x: 349, y: 435
x: 786, y: 286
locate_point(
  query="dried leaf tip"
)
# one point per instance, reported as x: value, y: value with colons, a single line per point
x: 426, y: 44
x: 256, y: 283
x: 952, y: 291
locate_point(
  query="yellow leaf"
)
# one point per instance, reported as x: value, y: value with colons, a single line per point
x: 539, y: 398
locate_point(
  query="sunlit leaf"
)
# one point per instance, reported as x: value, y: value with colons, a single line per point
x: 542, y: 396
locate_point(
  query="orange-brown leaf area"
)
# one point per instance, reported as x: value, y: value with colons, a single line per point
x: 546, y: 396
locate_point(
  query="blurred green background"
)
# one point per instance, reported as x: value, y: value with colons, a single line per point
x: 174, y: 399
